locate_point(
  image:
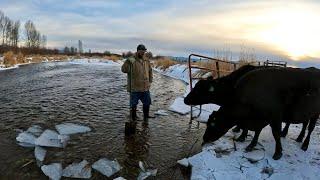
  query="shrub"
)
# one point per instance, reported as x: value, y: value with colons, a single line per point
x: 9, y: 59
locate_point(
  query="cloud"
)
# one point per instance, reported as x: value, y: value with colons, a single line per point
x: 174, y: 27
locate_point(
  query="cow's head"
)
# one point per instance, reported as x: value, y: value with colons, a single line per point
x: 206, y: 92
x: 218, y: 125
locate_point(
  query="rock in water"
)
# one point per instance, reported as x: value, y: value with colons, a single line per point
x: 107, y: 167
x: 78, y: 170
x: 70, y: 128
x: 53, y: 171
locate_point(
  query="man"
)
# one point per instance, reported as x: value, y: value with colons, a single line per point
x: 139, y: 76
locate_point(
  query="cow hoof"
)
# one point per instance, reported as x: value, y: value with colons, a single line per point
x: 299, y: 139
x: 304, y: 147
x: 241, y: 139
x: 249, y: 148
x: 277, y: 156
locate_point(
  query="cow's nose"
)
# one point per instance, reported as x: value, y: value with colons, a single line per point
x: 186, y: 101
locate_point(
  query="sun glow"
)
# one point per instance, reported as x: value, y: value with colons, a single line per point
x: 295, y: 32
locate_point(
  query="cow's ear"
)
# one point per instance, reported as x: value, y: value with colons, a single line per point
x: 211, y: 88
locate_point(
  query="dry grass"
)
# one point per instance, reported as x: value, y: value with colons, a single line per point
x: 9, y: 59
x: 164, y: 63
x: 225, y: 68
x: 21, y: 58
x: 112, y: 58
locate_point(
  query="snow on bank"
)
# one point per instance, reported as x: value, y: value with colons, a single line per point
x: 226, y: 159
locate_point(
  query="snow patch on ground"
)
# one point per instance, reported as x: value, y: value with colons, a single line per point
x: 227, y: 159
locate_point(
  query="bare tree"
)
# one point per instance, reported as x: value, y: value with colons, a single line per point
x: 6, y: 25
x: 33, y: 37
x: 1, y: 24
x: 15, y: 33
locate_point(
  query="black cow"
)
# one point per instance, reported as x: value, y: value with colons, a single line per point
x: 221, y: 91
x: 218, y: 91
x: 264, y: 97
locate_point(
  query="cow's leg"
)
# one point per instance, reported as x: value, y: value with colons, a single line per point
x: 254, y: 141
x: 284, y: 132
x: 236, y: 129
x: 312, y: 124
x: 243, y: 135
x: 303, y: 131
x: 276, y: 131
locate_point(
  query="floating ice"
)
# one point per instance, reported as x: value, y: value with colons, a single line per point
x: 35, y: 130
x: 70, y: 128
x: 40, y: 153
x: 107, y: 167
x: 78, y: 170
x: 179, y: 106
x: 119, y: 178
x: 26, y: 139
x: 53, y: 171
x: 144, y: 174
x: 162, y: 113
x: 51, y: 138
x: 184, y: 162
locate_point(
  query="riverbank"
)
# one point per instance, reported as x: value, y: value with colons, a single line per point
x: 227, y: 159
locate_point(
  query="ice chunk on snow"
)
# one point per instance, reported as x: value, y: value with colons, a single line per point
x: 26, y: 139
x: 70, y: 128
x: 107, y: 167
x: 119, y: 178
x: 51, y: 138
x: 144, y: 174
x: 184, y: 162
x: 53, y: 171
x: 35, y: 130
x: 161, y: 112
x: 179, y: 106
x: 40, y: 153
x: 78, y: 170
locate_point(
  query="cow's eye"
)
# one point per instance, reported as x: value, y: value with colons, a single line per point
x: 211, y: 89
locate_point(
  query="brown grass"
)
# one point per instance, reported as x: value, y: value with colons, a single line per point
x: 164, y: 63
x: 21, y: 58
x: 112, y: 58
x: 9, y: 59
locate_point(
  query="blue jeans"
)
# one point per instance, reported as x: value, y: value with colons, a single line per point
x: 144, y: 97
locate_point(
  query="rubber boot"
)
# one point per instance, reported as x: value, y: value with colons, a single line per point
x: 133, y: 113
x: 146, y: 114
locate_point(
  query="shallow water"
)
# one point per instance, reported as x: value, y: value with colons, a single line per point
x: 93, y: 95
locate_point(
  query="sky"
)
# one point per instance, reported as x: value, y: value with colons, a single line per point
x: 276, y: 30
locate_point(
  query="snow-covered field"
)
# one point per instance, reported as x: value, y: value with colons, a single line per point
x: 226, y: 159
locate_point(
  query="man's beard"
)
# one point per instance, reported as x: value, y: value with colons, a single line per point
x: 140, y: 56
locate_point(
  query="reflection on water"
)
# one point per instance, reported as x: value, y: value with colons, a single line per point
x: 51, y: 93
